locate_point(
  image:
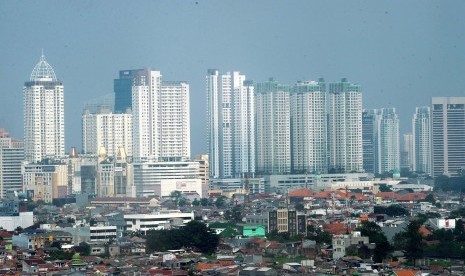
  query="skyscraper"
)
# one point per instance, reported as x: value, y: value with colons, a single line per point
x: 369, y: 133
x: 230, y: 124
x: 273, y: 128
x: 345, y: 126
x: 381, y: 151
x: 448, y: 135
x: 175, y: 120
x: 407, y: 152
x: 146, y: 114
x: 421, y: 126
x: 44, y: 126
x: 11, y: 158
x: 309, y: 127
x: 388, y: 149
x: 122, y: 88
x: 106, y: 129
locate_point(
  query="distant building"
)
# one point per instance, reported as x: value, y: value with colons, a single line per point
x: 407, y: 152
x: 448, y: 135
x: 11, y: 158
x: 44, y: 124
x: 148, y: 176
x: 45, y: 181
x: 231, y: 124
x: 309, y: 127
x: 342, y: 242
x: 273, y: 127
x: 421, y: 126
x: 156, y: 221
x: 285, y: 220
x: 345, y: 127
x: 108, y: 130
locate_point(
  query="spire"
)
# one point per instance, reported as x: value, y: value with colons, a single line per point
x: 43, y: 71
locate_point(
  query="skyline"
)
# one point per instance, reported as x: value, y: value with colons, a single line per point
x: 422, y: 50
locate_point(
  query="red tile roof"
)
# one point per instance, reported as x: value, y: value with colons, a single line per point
x: 302, y: 193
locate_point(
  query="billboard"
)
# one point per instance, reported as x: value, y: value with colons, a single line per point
x: 446, y: 223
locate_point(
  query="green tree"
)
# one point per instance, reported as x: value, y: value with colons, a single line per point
x: 299, y: 207
x: 394, y: 210
x: 194, y: 234
x: 234, y: 215
x: 83, y: 249
x: 384, y: 188
x: 220, y: 201
x: 195, y: 202
x: 375, y: 235
x: 204, y: 201
x: 410, y: 241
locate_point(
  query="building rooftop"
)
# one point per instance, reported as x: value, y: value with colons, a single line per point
x: 43, y: 71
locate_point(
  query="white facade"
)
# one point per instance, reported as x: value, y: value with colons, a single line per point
x: 11, y: 159
x: 145, y: 114
x: 156, y: 221
x: 175, y: 120
x: 388, y: 149
x: 43, y: 102
x: 345, y: 127
x: 102, y: 233
x: 273, y: 128
x: 309, y: 127
x: 23, y: 220
x: 148, y: 175
x: 167, y: 186
x: 448, y: 135
x: 45, y: 182
x: 231, y: 131
x: 421, y: 126
x: 108, y: 130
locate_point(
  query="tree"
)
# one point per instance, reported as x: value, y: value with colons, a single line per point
x: 220, y: 201
x: 83, y: 249
x: 384, y: 188
x: 299, y: 207
x: 194, y: 234
x: 393, y: 210
x: 375, y: 235
x: 204, y: 201
x: 234, y: 215
x: 195, y: 202
x: 410, y: 241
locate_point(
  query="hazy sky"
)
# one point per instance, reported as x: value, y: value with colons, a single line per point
x: 401, y: 52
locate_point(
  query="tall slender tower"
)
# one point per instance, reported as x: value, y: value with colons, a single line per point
x: 448, y: 135
x: 421, y: 125
x: 230, y: 124
x: 273, y: 128
x: 309, y: 127
x: 388, y: 149
x: 44, y: 125
x: 345, y: 126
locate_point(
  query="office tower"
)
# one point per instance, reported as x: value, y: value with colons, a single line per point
x: 122, y: 88
x: 146, y: 114
x: 11, y: 158
x: 448, y: 135
x: 175, y: 120
x: 44, y: 131
x: 381, y: 140
x: 369, y: 131
x: 123, y: 174
x: 74, y: 172
x: 388, y: 149
x: 421, y: 126
x: 345, y: 127
x: 45, y: 181
x: 273, y: 128
x: 244, y: 126
x: 230, y: 124
x: 407, y: 152
x: 106, y: 129
x: 309, y: 127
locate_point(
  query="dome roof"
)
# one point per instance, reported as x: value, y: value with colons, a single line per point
x: 43, y: 71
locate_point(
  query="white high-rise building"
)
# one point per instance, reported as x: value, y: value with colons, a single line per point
x: 448, y: 135
x: 345, y: 126
x: 421, y: 125
x: 175, y: 120
x: 230, y: 124
x: 44, y: 126
x: 309, y: 127
x: 273, y: 128
x: 145, y: 114
x: 388, y: 149
x: 407, y: 152
x: 108, y: 130
x: 11, y: 159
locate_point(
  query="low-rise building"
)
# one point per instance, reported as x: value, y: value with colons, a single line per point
x: 342, y: 242
x: 156, y: 221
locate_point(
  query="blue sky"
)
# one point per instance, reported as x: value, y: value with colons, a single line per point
x: 401, y: 52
